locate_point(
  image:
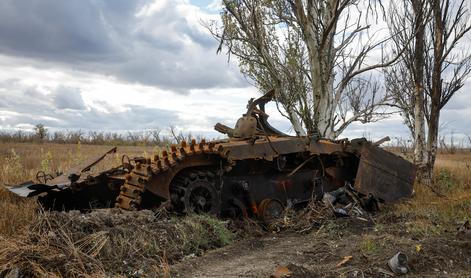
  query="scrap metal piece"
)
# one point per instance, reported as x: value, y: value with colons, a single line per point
x: 384, y: 175
x: 282, y: 272
x: 61, y: 182
x: 381, y: 141
x: 398, y: 263
x: 270, y: 210
x: 75, y: 174
x: 30, y: 189
x: 245, y: 127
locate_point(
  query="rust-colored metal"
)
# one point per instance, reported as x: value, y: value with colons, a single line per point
x: 269, y: 210
x: 384, y: 175
x: 253, y: 172
x: 73, y: 177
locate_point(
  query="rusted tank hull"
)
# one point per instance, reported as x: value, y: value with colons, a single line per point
x: 256, y: 171
x: 243, y: 182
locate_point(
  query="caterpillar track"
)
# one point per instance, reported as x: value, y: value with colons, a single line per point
x: 256, y: 171
x: 146, y: 172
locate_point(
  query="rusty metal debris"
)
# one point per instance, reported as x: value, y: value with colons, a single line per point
x: 46, y: 182
x: 257, y: 171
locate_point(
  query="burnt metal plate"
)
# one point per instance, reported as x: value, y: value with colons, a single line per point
x: 265, y: 148
x: 385, y: 175
x: 63, y: 180
x: 30, y: 189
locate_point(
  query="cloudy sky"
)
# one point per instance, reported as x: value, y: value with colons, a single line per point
x: 120, y: 65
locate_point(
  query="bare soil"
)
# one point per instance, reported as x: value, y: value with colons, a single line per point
x: 318, y: 253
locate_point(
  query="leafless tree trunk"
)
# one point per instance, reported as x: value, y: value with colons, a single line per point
x: 435, y: 66
x: 418, y: 73
x: 436, y: 92
x: 405, y: 80
x: 449, y: 26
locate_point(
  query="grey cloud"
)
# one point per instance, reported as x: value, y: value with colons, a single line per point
x: 68, y: 98
x: 135, y: 118
x: 41, y: 108
x: 453, y: 121
x: 52, y: 29
x: 106, y: 36
x: 23, y: 99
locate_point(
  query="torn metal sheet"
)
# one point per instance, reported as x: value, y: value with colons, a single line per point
x: 30, y: 189
x: 384, y: 175
x: 75, y: 174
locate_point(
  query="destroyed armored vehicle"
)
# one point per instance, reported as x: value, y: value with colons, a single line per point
x: 256, y: 171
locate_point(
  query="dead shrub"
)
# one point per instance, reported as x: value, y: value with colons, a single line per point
x: 109, y: 242
x: 315, y: 214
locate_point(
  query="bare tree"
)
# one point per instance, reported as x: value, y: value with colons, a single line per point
x: 41, y: 132
x: 405, y: 79
x: 313, y: 53
x: 449, y: 26
x: 178, y: 137
x: 429, y: 80
x: 156, y: 135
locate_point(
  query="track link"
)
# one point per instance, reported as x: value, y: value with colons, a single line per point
x: 130, y: 192
x: 130, y: 196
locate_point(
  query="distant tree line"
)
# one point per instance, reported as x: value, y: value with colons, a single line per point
x: 131, y: 138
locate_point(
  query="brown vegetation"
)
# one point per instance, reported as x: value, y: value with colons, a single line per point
x: 108, y: 242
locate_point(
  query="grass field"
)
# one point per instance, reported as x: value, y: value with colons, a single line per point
x: 425, y: 216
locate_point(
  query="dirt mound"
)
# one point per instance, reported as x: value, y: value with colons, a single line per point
x: 106, y: 242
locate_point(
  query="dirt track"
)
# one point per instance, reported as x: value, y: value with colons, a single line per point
x: 317, y: 255
x: 254, y: 258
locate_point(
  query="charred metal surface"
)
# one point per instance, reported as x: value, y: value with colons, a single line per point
x: 74, y: 175
x: 257, y: 171
x: 266, y: 148
x: 29, y: 189
x: 78, y: 188
x: 384, y: 175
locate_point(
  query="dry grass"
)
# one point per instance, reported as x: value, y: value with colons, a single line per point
x: 427, y: 213
x: 16, y: 213
x: 21, y: 161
